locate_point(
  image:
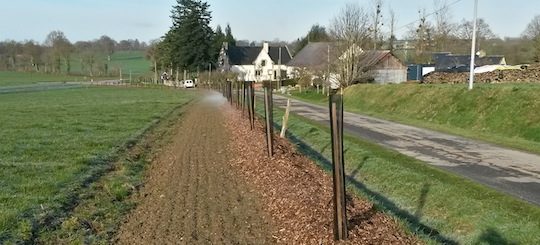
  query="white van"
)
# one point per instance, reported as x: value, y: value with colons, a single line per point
x: 189, y: 84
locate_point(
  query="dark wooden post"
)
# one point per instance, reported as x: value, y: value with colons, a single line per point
x: 268, y: 112
x: 251, y: 105
x: 237, y: 83
x: 336, y: 125
x: 244, y: 98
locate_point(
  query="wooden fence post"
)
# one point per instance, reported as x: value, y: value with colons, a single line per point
x: 336, y: 125
x: 268, y: 112
x: 285, y: 119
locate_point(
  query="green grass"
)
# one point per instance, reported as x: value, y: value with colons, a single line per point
x: 501, y: 114
x: 129, y: 61
x: 133, y: 61
x: 10, y: 78
x: 55, y: 143
x: 438, y: 206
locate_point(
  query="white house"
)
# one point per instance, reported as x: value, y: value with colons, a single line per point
x: 256, y: 64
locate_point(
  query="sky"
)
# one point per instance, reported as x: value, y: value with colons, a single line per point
x: 249, y: 19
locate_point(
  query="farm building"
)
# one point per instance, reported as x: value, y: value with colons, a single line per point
x: 381, y: 65
x: 266, y: 63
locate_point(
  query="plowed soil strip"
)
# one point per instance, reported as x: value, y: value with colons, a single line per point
x: 298, y: 194
x: 191, y: 195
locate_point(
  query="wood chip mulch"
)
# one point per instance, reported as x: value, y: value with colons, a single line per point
x: 297, y: 194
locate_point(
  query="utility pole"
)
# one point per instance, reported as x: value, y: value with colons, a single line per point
x: 279, y: 68
x: 473, y: 46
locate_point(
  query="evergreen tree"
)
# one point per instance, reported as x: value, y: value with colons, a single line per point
x: 219, y: 39
x: 317, y: 33
x: 229, y: 38
x: 189, y: 42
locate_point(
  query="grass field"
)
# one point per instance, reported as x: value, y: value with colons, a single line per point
x: 502, y: 114
x: 129, y: 61
x: 56, y: 142
x: 438, y: 206
x: 133, y: 61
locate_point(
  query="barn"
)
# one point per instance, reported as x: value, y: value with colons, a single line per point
x: 381, y: 65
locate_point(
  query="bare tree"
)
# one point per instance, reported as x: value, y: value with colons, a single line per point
x: 61, y: 49
x: 532, y: 34
x: 377, y: 22
x: 444, y: 29
x: 33, y: 51
x: 484, y: 31
x: 422, y: 34
x: 350, y: 28
x: 392, y: 20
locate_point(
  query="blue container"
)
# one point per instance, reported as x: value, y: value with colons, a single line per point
x: 414, y: 72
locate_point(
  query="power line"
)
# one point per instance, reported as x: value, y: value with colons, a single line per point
x: 430, y: 14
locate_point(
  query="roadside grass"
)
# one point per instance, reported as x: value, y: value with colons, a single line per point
x: 503, y: 114
x: 56, y: 143
x: 11, y: 78
x: 437, y: 206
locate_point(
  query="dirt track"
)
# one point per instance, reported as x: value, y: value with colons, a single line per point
x: 191, y: 196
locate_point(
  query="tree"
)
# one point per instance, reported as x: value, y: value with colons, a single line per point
x: 219, y: 39
x: 392, y: 38
x: 483, y: 32
x: 350, y: 28
x: 107, y: 45
x: 423, y: 36
x: 189, y: 41
x: 152, y: 54
x: 532, y: 34
x: 61, y: 50
x: 317, y: 33
x: 229, y: 38
x: 33, y: 51
x: 377, y: 22
x: 443, y: 31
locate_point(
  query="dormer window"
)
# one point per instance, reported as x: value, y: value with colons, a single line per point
x: 263, y: 63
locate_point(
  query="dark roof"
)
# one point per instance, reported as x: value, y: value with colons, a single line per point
x: 450, y: 61
x: 371, y: 57
x: 239, y: 55
x: 313, y: 56
x: 245, y: 55
x: 273, y: 52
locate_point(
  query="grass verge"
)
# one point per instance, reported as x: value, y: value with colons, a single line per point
x: 438, y: 206
x: 57, y: 143
x: 501, y: 114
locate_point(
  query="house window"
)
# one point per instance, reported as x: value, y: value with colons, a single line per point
x: 257, y: 72
x: 263, y: 63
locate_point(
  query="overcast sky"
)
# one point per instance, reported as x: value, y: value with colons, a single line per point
x: 249, y: 19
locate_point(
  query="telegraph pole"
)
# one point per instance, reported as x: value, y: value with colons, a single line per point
x: 473, y: 47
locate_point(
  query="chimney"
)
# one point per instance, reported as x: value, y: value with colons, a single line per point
x: 265, y: 47
x: 225, y: 46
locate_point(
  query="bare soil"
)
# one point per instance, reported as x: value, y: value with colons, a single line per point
x: 191, y: 196
x: 214, y: 184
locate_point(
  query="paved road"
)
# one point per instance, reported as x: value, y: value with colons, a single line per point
x: 514, y: 172
x: 38, y: 87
